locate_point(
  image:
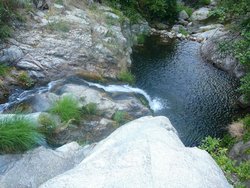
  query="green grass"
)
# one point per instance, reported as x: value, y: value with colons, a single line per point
x: 181, y: 6
x: 126, y: 76
x: 183, y: 32
x: 18, y: 134
x: 90, y: 109
x: 120, y: 117
x: 66, y: 108
x: 141, y: 38
x: 25, y: 80
x: 5, y: 31
x: 4, y: 69
x: 60, y: 26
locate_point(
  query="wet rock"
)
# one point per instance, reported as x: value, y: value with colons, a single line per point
x: 143, y: 153
x: 200, y: 14
x: 11, y: 55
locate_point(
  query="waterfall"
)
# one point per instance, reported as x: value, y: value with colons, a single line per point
x: 154, y: 104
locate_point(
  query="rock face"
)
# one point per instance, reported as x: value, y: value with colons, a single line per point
x: 211, y: 52
x: 67, y: 39
x: 38, y: 166
x: 143, y: 153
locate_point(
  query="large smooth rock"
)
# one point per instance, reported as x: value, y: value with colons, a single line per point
x: 200, y: 14
x: 210, y: 51
x: 11, y: 55
x: 37, y: 166
x: 143, y: 153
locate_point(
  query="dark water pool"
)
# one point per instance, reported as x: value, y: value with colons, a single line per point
x: 198, y: 99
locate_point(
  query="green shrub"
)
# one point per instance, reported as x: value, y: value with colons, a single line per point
x: 127, y: 77
x: 198, y: 3
x: 18, y: 134
x: 161, y: 10
x: 25, y: 80
x: 181, y: 6
x: 4, y: 69
x: 66, y: 108
x: 47, y: 122
x: 8, y: 12
x: 183, y: 31
x: 141, y: 38
x: 242, y: 171
x: 90, y: 109
x: 120, y: 117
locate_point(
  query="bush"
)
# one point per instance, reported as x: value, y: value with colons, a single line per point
x: 66, y: 108
x: 18, y: 134
x: 215, y: 148
x: 161, y: 10
x: 198, y: 3
x: 141, y: 38
x: 181, y: 6
x: 8, y: 12
x: 25, y: 80
x: 120, y: 117
x: 90, y: 109
x: 4, y: 69
x: 126, y: 76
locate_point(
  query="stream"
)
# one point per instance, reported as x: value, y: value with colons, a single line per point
x: 199, y: 99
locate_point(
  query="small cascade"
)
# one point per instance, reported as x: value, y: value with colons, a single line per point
x: 154, y: 104
x: 21, y: 95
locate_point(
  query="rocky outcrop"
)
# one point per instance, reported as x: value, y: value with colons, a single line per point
x: 66, y: 39
x: 11, y: 55
x: 37, y: 166
x: 144, y: 153
x: 225, y: 61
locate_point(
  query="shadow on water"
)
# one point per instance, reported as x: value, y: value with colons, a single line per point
x: 198, y: 98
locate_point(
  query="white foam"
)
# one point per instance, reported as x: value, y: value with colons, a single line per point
x: 155, y: 104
